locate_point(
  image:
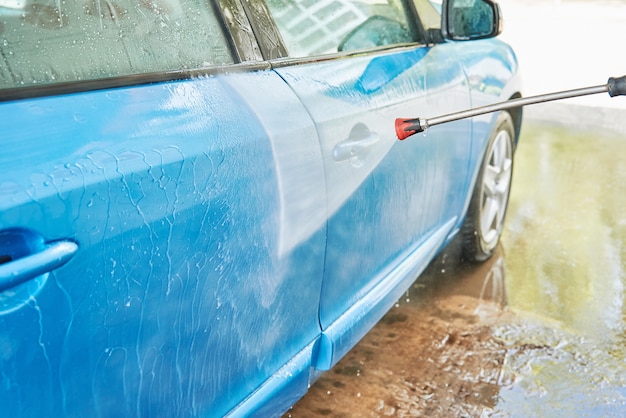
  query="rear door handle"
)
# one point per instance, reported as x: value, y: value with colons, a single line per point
x: 21, y: 270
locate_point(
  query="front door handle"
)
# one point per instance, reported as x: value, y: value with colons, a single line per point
x: 359, y: 141
x: 52, y: 256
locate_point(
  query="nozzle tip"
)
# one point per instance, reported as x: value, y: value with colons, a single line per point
x: 407, y: 127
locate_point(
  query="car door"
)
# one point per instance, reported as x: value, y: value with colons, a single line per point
x: 357, y: 66
x: 157, y: 257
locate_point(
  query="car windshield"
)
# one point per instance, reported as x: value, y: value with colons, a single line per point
x: 51, y: 41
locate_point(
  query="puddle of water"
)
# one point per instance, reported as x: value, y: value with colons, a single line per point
x: 538, y: 330
x: 565, y: 268
x: 566, y: 230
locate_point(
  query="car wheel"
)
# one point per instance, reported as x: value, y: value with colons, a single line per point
x: 485, y: 218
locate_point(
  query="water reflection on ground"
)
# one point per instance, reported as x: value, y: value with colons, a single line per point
x: 538, y: 330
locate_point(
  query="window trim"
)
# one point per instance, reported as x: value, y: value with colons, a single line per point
x: 238, y: 30
x: 265, y: 29
x: 381, y: 50
x: 417, y: 26
x: 32, y: 92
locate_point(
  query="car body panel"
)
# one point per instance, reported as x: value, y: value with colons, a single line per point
x: 340, y: 336
x: 408, y: 190
x: 233, y: 229
x: 181, y: 285
x: 282, y: 390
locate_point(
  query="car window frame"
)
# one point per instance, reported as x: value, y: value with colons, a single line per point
x: 253, y: 40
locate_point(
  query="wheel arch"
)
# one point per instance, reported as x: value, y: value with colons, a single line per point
x: 516, y: 114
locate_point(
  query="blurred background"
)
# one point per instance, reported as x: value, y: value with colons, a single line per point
x: 567, y: 44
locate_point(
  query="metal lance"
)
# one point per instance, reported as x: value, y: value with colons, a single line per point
x: 616, y: 86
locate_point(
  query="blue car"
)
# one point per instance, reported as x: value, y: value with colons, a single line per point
x: 204, y: 205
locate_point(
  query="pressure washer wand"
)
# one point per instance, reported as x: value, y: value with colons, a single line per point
x: 616, y: 86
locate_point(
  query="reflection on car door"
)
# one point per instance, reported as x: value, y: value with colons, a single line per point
x: 384, y: 197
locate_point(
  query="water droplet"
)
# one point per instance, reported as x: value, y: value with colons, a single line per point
x: 113, y: 96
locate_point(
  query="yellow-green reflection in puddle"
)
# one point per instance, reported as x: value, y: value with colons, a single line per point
x: 565, y: 271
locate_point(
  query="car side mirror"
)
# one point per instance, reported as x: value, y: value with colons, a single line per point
x: 464, y: 20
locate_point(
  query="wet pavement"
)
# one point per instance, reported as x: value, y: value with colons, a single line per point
x: 537, y: 331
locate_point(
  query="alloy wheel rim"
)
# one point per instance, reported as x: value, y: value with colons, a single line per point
x: 495, y: 188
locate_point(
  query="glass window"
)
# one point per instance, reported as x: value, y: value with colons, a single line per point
x: 51, y: 41
x: 312, y: 28
x: 429, y: 12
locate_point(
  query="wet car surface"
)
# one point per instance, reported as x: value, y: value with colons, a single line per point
x: 203, y: 204
x: 538, y: 330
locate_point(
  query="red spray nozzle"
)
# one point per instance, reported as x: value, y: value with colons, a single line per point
x: 407, y: 127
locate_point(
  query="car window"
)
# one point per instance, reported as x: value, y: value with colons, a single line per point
x: 52, y: 41
x: 429, y: 12
x: 312, y: 28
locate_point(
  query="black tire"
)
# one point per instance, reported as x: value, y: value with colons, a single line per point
x: 483, y: 225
